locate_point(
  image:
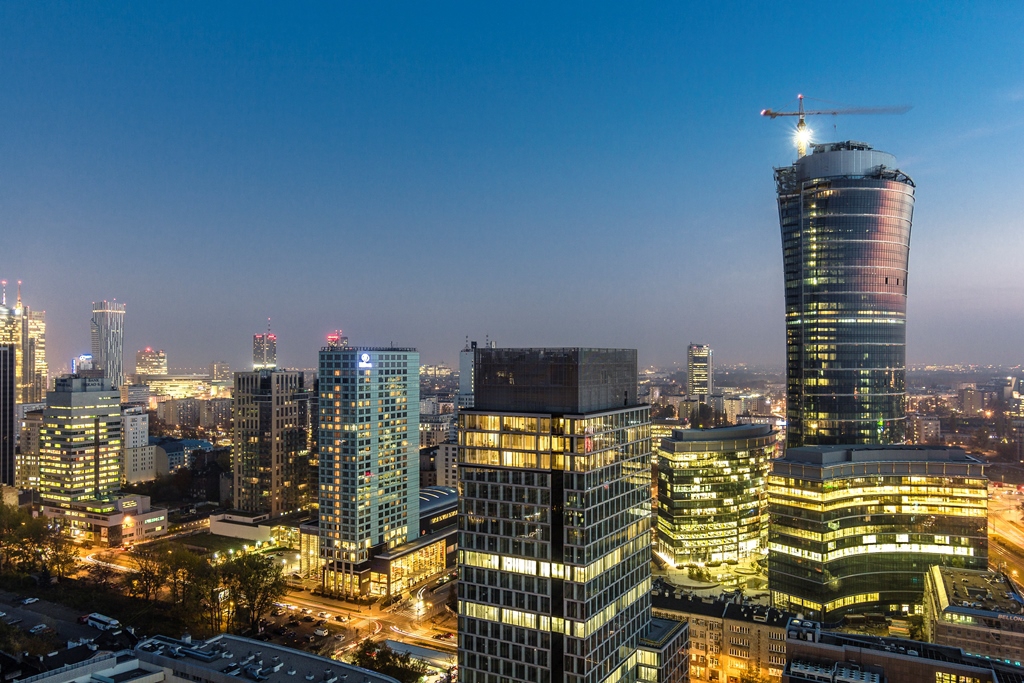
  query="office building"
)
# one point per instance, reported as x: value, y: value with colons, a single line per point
x: 135, y: 394
x: 26, y: 463
x: 115, y: 521
x: 816, y: 655
x: 700, y: 370
x: 139, y: 456
x: 729, y: 640
x: 269, y: 451
x: 447, y: 464
x: 150, y: 362
x: 8, y: 423
x: 712, y: 506
x: 80, y: 441
x: 845, y: 212
x: 264, y: 351
x: 554, y: 521
x: 369, y: 461
x: 220, y: 371
x: 107, y: 332
x: 981, y: 612
x: 25, y: 329
x: 856, y: 528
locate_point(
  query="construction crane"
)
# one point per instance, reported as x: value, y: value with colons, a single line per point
x: 803, y: 135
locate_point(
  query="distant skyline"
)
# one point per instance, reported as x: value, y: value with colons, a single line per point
x: 592, y: 174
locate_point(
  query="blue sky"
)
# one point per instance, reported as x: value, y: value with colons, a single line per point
x: 577, y: 174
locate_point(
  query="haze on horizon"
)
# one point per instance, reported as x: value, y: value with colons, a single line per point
x: 591, y: 174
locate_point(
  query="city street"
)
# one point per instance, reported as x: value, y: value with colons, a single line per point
x: 1004, y: 524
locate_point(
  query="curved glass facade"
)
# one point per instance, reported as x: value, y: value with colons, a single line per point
x: 711, y: 500
x: 845, y: 215
x: 856, y: 530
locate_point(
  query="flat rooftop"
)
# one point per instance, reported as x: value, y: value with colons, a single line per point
x: 816, y: 462
x: 968, y: 591
x: 226, y: 657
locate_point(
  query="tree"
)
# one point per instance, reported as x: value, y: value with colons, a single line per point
x: 59, y: 555
x: 382, y: 659
x: 255, y: 583
x: 149, y: 574
x: 101, y: 574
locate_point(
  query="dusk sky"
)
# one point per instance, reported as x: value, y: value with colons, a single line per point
x: 545, y: 174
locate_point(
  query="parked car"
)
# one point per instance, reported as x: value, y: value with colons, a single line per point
x: 321, y: 631
x: 325, y: 615
x: 29, y: 601
x: 293, y: 622
x: 306, y: 610
x: 38, y: 628
x: 342, y: 618
x: 308, y: 618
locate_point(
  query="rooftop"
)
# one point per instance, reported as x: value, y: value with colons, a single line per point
x: 681, y: 601
x: 229, y: 657
x: 435, y: 498
x: 979, y: 593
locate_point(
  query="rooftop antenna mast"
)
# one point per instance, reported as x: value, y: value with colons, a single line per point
x: 803, y: 133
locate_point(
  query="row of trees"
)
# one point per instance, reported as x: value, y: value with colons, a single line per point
x: 233, y: 595
x: 33, y: 545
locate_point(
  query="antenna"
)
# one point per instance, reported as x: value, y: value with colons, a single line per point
x: 19, y: 294
x: 4, y: 300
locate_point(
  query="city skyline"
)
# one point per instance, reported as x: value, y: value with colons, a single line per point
x: 334, y: 134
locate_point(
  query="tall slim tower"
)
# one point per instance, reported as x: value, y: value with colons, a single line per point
x: 845, y: 211
x: 554, y: 518
x: 700, y: 370
x: 107, y: 329
x: 264, y: 350
x: 369, y: 459
x: 8, y: 424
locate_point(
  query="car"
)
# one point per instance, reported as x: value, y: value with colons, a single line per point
x: 449, y: 636
x: 280, y: 631
x: 339, y: 636
x: 325, y: 615
x: 29, y: 601
x: 278, y: 612
x: 84, y: 619
x: 306, y: 610
x: 293, y: 622
x: 320, y: 632
x: 342, y: 618
x: 321, y: 622
x: 38, y: 628
x: 438, y: 636
x: 308, y: 618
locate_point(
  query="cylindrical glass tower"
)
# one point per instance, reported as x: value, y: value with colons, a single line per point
x: 845, y: 213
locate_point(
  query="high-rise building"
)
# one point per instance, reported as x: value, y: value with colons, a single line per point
x: 554, y: 519
x: 80, y: 441
x: 700, y: 370
x: 8, y: 423
x: 150, y: 362
x: 138, y: 455
x: 845, y: 212
x: 264, y: 351
x: 219, y: 371
x: 712, y: 505
x: 107, y: 332
x: 855, y: 528
x: 26, y: 330
x: 369, y: 460
x: 27, y: 458
x: 270, y: 451
x: 467, y: 357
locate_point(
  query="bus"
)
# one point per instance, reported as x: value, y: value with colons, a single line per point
x: 102, y: 622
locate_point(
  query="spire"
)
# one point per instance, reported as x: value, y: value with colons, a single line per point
x: 18, y: 305
x: 4, y: 301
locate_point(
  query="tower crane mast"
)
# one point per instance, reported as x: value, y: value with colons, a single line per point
x: 803, y: 134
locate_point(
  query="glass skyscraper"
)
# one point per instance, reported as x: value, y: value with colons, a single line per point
x: 369, y: 461
x: 855, y: 529
x: 700, y: 370
x: 845, y: 211
x: 107, y: 332
x: 554, y: 518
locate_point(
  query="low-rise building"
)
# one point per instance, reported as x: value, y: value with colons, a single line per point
x: 124, y: 520
x: 729, y: 640
x: 979, y: 611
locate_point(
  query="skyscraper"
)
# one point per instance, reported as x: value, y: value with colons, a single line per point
x: 107, y: 328
x: 270, y: 451
x: 700, y: 370
x: 80, y: 441
x: 8, y: 424
x: 369, y: 459
x: 554, y: 520
x: 26, y: 330
x: 150, y: 362
x: 845, y: 211
x: 264, y: 351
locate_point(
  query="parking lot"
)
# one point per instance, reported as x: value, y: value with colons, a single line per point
x: 61, y: 622
x: 304, y: 628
